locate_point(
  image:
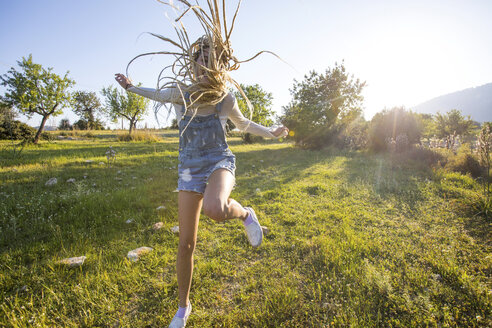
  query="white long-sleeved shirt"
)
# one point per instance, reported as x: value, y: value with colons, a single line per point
x: 230, y: 109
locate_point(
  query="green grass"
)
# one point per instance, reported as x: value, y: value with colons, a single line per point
x: 356, y: 240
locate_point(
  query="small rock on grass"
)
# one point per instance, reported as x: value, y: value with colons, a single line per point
x: 134, y: 255
x: 162, y: 207
x: 129, y: 221
x: 71, y: 180
x: 265, y: 230
x: 158, y: 225
x: 51, y: 182
x: 72, y: 262
x: 175, y: 230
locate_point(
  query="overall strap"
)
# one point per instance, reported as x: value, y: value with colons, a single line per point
x: 218, y: 107
x: 187, y: 99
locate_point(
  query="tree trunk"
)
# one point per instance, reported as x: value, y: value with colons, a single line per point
x: 90, y: 123
x: 41, y: 127
x: 131, y: 127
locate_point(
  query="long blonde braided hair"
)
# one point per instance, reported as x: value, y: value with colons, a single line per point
x: 183, y: 72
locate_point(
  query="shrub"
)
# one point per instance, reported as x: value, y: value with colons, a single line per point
x: 476, y: 205
x: 464, y: 163
x: 251, y: 138
x: 354, y: 135
x: 138, y: 136
x: 47, y: 136
x: 234, y: 134
x: 420, y: 155
x: 389, y: 125
x: 16, y: 130
x: 80, y: 125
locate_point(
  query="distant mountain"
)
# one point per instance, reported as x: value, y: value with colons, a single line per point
x: 48, y: 128
x: 476, y: 102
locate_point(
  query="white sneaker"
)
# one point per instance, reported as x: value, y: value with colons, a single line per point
x: 180, y: 322
x: 253, y: 230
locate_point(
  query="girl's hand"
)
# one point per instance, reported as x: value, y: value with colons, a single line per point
x: 123, y: 81
x: 280, y: 131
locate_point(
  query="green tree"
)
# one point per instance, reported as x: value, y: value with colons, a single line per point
x: 394, y: 125
x: 80, y: 125
x: 35, y: 90
x: 426, y: 123
x: 124, y: 104
x: 87, y: 105
x: 174, y: 124
x: 64, y: 124
x: 6, y: 111
x: 319, y: 101
x: 453, y: 122
x: 261, y: 102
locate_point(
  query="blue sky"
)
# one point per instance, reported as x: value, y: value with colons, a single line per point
x: 406, y: 51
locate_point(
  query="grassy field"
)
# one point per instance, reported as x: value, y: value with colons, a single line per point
x: 356, y: 240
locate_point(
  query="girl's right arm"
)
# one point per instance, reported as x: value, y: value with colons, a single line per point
x: 168, y: 95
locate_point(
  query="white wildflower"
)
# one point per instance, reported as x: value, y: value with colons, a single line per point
x: 111, y: 155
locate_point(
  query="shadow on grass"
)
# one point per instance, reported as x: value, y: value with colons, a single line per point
x: 479, y: 228
x: 387, y: 178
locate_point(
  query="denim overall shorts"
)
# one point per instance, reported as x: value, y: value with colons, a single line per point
x: 202, y: 150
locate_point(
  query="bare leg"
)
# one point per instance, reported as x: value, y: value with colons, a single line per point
x: 216, y: 202
x: 189, y: 206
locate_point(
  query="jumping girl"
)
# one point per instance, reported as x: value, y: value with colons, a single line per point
x: 206, y: 164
